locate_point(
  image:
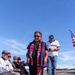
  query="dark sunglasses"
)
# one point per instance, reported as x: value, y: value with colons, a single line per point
x: 36, y: 36
x: 9, y: 56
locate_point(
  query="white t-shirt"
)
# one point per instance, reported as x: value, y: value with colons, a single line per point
x: 5, y: 65
x: 54, y: 44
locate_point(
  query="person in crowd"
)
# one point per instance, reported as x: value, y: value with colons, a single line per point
x: 15, y: 63
x: 19, y: 61
x: 53, y: 48
x: 9, y: 56
x: 37, y: 54
x: 5, y: 66
x: 22, y: 66
x: 18, y: 66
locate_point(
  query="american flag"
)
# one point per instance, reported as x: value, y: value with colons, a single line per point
x: 73, y: 38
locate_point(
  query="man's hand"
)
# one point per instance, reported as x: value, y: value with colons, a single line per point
x: 51, y: 49
x: 11, y: 71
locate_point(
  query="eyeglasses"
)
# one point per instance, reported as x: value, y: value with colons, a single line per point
x: 36, y: 36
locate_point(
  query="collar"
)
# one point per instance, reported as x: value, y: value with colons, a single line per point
x: 51, y: 41
x: 3, y: 58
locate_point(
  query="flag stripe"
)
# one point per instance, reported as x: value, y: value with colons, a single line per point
x: 73, y: 38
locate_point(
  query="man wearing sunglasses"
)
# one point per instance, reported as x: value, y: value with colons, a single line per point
x: 5, y: 66
x: 9, y: 56
x: 53, y: 48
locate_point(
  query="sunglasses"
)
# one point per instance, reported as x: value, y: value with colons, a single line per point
x: 9, y: 56
x: 36, y: 36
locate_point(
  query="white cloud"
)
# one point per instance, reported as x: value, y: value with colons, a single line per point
x: 65, y: 66
x: 20, y: 52
x: 67, y: 55
x: 12, y: 43
x: 16, y: 47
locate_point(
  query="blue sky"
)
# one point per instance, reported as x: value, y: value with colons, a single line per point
x: 20, y: 18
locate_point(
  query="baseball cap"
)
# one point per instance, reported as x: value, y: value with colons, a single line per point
x: 51, y: 37
x: 14, y: 57
x: 5, y: 52
x: 19, y: 58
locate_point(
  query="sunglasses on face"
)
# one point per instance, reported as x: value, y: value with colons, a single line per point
x: 36, y: 36
x: 9, y: 56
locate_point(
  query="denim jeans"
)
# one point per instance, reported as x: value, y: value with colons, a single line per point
x: 51, y: 65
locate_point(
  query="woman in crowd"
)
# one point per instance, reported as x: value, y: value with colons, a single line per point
x: 37, y: 54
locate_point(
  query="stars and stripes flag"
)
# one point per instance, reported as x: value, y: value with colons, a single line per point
x: 73, y: 38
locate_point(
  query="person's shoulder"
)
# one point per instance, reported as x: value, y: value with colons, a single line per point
x: 30, y: 43
x: 43, y: 42
x: 56, y: 41
x: 13, y: 64
x: 0, y: 58
x: 1, y: 61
